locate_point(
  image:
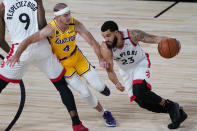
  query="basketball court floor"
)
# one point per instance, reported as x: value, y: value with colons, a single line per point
x: 175, y: 79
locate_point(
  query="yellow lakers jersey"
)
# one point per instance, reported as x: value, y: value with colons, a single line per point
x: 63, y: 43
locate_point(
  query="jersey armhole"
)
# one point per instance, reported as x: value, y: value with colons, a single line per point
x: 130, y: 38
x: 74, y: 25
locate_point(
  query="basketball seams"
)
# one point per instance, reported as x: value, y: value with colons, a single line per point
x: 159, y: 48
x: 169, y: 48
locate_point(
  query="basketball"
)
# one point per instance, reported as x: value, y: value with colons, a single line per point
x: 169, y: 48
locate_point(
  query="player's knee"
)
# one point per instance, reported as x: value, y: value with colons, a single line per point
x: 141, y: 104
x: 91, y: 100
x: 79, y: 86
x: 85, y: 93
x: 97, y: 84
x: 94, y: 80
x: 66, y: 94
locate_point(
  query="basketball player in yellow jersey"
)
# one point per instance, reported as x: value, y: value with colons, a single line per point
x: 62, y: 31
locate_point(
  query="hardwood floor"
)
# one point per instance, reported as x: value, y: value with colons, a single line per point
x: 175, y: 78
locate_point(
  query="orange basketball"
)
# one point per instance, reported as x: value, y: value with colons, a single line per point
x: 169, y: 48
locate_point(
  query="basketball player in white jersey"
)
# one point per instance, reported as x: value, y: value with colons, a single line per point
x: 23, y: 18
x: 135, y: 69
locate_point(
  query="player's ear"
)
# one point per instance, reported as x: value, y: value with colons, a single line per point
x: 116, y: 32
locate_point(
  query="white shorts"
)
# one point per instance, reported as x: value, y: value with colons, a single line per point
x: 136, y: 75
x: 40, y: 55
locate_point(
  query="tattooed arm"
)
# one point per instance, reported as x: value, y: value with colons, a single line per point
x: 138, y: 35
x: 3, y: 44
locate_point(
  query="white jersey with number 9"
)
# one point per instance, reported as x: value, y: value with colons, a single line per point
x: 22, y: 20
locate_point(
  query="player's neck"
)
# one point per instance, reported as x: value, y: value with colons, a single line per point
x: 120, y: 40
x: 63, y: 27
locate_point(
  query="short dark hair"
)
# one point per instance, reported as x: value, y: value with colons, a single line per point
x: 58, y: 6
x: 111, y: 25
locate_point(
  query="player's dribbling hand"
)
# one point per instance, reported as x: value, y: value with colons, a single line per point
x: 13, y: 60
x: 120, y: 87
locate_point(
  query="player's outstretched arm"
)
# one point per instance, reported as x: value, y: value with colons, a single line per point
x: 138, y: 35
x: 41, y: 15
x: 80, y: 28
x: 47, y: 31
x: 107, y: 55
x: 3, y: 43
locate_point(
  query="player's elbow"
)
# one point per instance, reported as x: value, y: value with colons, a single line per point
x: 34, y: 38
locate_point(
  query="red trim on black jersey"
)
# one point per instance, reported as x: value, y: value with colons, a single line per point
x: 3, y: 4
x: 140, y: 82
x: 132, y: 98
x: 130, y: 38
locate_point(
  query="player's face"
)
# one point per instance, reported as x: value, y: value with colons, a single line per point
x: 110, y: 38
x: 65, y: 18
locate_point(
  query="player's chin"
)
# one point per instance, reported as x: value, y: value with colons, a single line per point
x: 67, y: 22
x: 109, y: 44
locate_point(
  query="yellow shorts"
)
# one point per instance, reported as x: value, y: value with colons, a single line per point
x: 77, y: 63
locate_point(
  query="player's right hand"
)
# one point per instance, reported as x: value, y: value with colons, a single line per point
x: 120, y: 87
x: 13, y: 60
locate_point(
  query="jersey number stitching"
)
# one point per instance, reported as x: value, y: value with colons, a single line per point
x: 67, y: 48
x: 127, y: 61
x: 24, y: 18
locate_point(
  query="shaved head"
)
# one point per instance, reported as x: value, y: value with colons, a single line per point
x: 59, y: 6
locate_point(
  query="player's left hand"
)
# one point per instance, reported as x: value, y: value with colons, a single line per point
x: 13, y: 60
x: 103, y: 63
x: 120, y: 87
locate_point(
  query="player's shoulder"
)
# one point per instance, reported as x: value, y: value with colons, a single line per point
x: 77, y: 22
x: 130, y: 32
x: 133, y: 31
x: 135, y: 34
